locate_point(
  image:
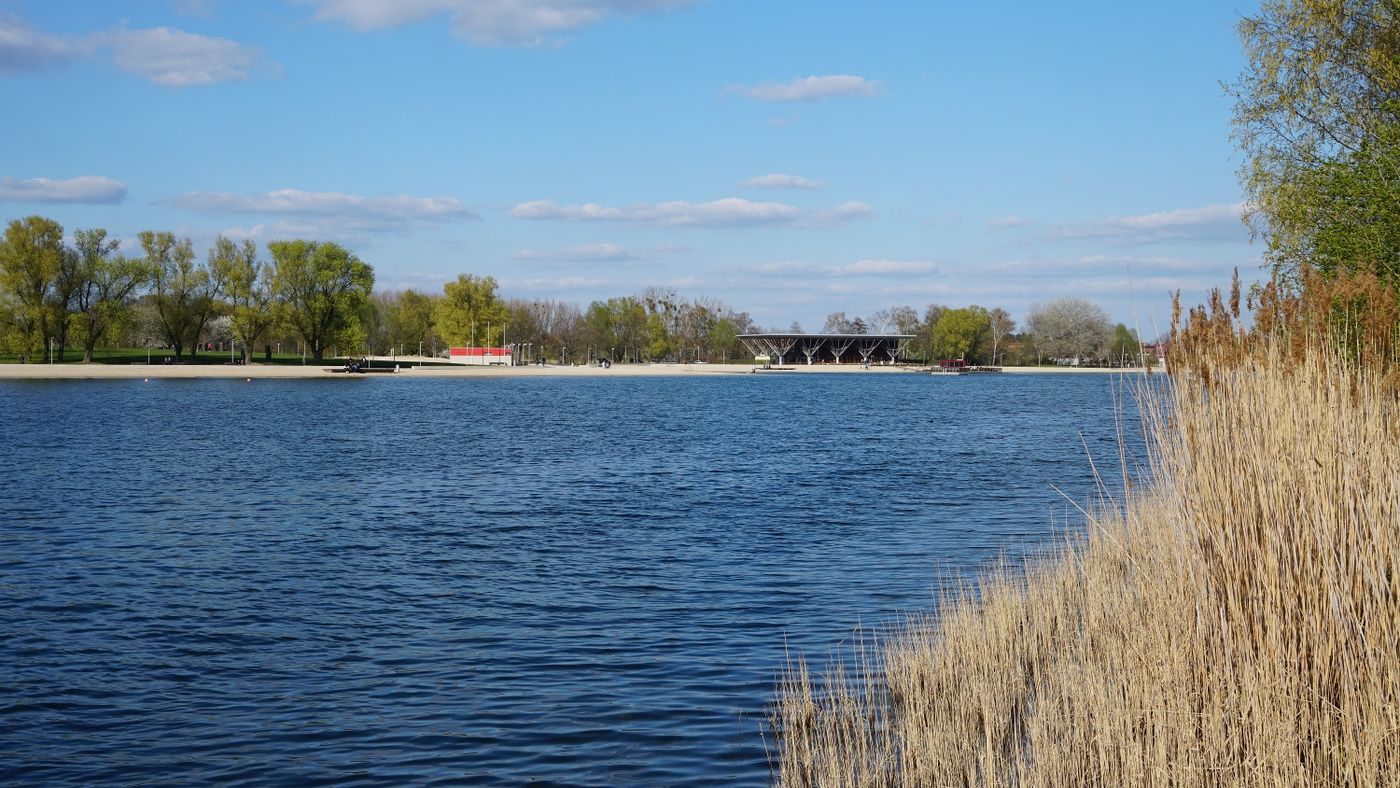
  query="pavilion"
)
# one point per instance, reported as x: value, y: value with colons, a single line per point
x: 828, y: 348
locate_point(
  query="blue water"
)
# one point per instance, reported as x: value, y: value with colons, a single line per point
x: 490, y: 581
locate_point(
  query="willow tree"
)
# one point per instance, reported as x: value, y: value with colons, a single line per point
x: 185, y: 294
x: 1321, y: 91
x: 470, y: 311
x: 323, y: 287
x: 32, y: 256
x: 248, y: 285
x: 108, y: 282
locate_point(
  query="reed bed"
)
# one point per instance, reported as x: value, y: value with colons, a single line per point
x: 1234, y: 621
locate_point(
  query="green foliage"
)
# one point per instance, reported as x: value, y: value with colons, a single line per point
x: 108, y: 282
x: 470, y: 312
x: 248, y: 283
x: 1124, y: 347
x: 1321, y: 89
x: 958, y: 331
x: 186, y: 295
x: 32, y: 255
x: 323, y: 287
x: 616, y: 325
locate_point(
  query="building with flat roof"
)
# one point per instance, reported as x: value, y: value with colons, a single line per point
x: 828, y: 348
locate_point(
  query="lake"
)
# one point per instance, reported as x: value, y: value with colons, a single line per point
x: 589, y: 581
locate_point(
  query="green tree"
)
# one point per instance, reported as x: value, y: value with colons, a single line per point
x: 471, y: 312
x: 109, y: 281
x: 186, y: 296
x: 32, y: 254
x: 409, y: 321
x: 1124, y: 348
x: 248, y: 285
x: 958, y: 331
x: 324, y: 288
x: 616, y: 324
x: 1321, y: 85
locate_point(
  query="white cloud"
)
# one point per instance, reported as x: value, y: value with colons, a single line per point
x: 163, y: 55
x: 23, y: 48
x: 83, y: 189
x: 489, y: 22
x: 1209, y: 223
x: 1007, y: 222
x: 564, y: 283
x: 810, y: 88
x: 778, y: 181
x: 890, y: 267
x: 845, y: 212
x: 728, y: 212
x: 588, y: 253
x: 333, y: 213
x: 177, y: 59
x: 297, y: 202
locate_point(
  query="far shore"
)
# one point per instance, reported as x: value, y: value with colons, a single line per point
x: 408, y: 368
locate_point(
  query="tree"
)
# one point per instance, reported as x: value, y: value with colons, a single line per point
x: 186, y: 296
x: 958, y: 331
x: 323, y: 287
x: 1124, y: 349
x: 31, y: 256
x: 858, y: 326
x: 248, y: 284
x: 999, y: 327
x: 109, y: 283
x: 1322, y: 82
x: 616, y: 324
x: 470, y: 312
x: 1070, y: 328
x: 836, y: 323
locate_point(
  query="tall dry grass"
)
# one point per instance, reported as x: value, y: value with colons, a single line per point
x: 1234, y: 622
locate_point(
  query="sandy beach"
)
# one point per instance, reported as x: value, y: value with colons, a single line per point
x: 407, y: 369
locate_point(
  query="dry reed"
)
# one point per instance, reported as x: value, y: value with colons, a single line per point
x: 1235, y: 621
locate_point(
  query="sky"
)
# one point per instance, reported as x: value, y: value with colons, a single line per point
x: 791, y: 159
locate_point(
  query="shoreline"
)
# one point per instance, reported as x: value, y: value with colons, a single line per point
x: 75, y: 371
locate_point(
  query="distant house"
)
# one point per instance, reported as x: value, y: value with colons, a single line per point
x: 480, y: 356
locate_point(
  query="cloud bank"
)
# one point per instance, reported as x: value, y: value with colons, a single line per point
x: 489, y: 22
x: 732, y: 212
x: 330, y: 212
x: 92, y: 189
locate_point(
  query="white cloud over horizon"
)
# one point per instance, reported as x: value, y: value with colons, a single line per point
x: 815, y: 88
x: 92, y: 189
x: 488, y: 22
x: 730, y: 212
x: 586, y: 253
x: 344, y: 216
x: 780, y: 181
x: 1207, y: 223
x: 881, y: 267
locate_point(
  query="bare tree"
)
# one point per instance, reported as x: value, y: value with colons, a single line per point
x: 1070, y: 328
x: 999, y: 326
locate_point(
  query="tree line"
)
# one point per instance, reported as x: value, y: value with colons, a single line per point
x: 55, y: 295
x: 319, y: 297
x: 1066, y: 328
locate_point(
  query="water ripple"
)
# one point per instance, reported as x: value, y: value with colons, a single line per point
x: 415, y: 581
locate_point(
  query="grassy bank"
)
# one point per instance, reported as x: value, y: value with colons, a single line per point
x: 1237, y: 622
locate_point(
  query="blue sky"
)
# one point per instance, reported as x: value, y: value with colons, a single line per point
x: 789, y: 158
